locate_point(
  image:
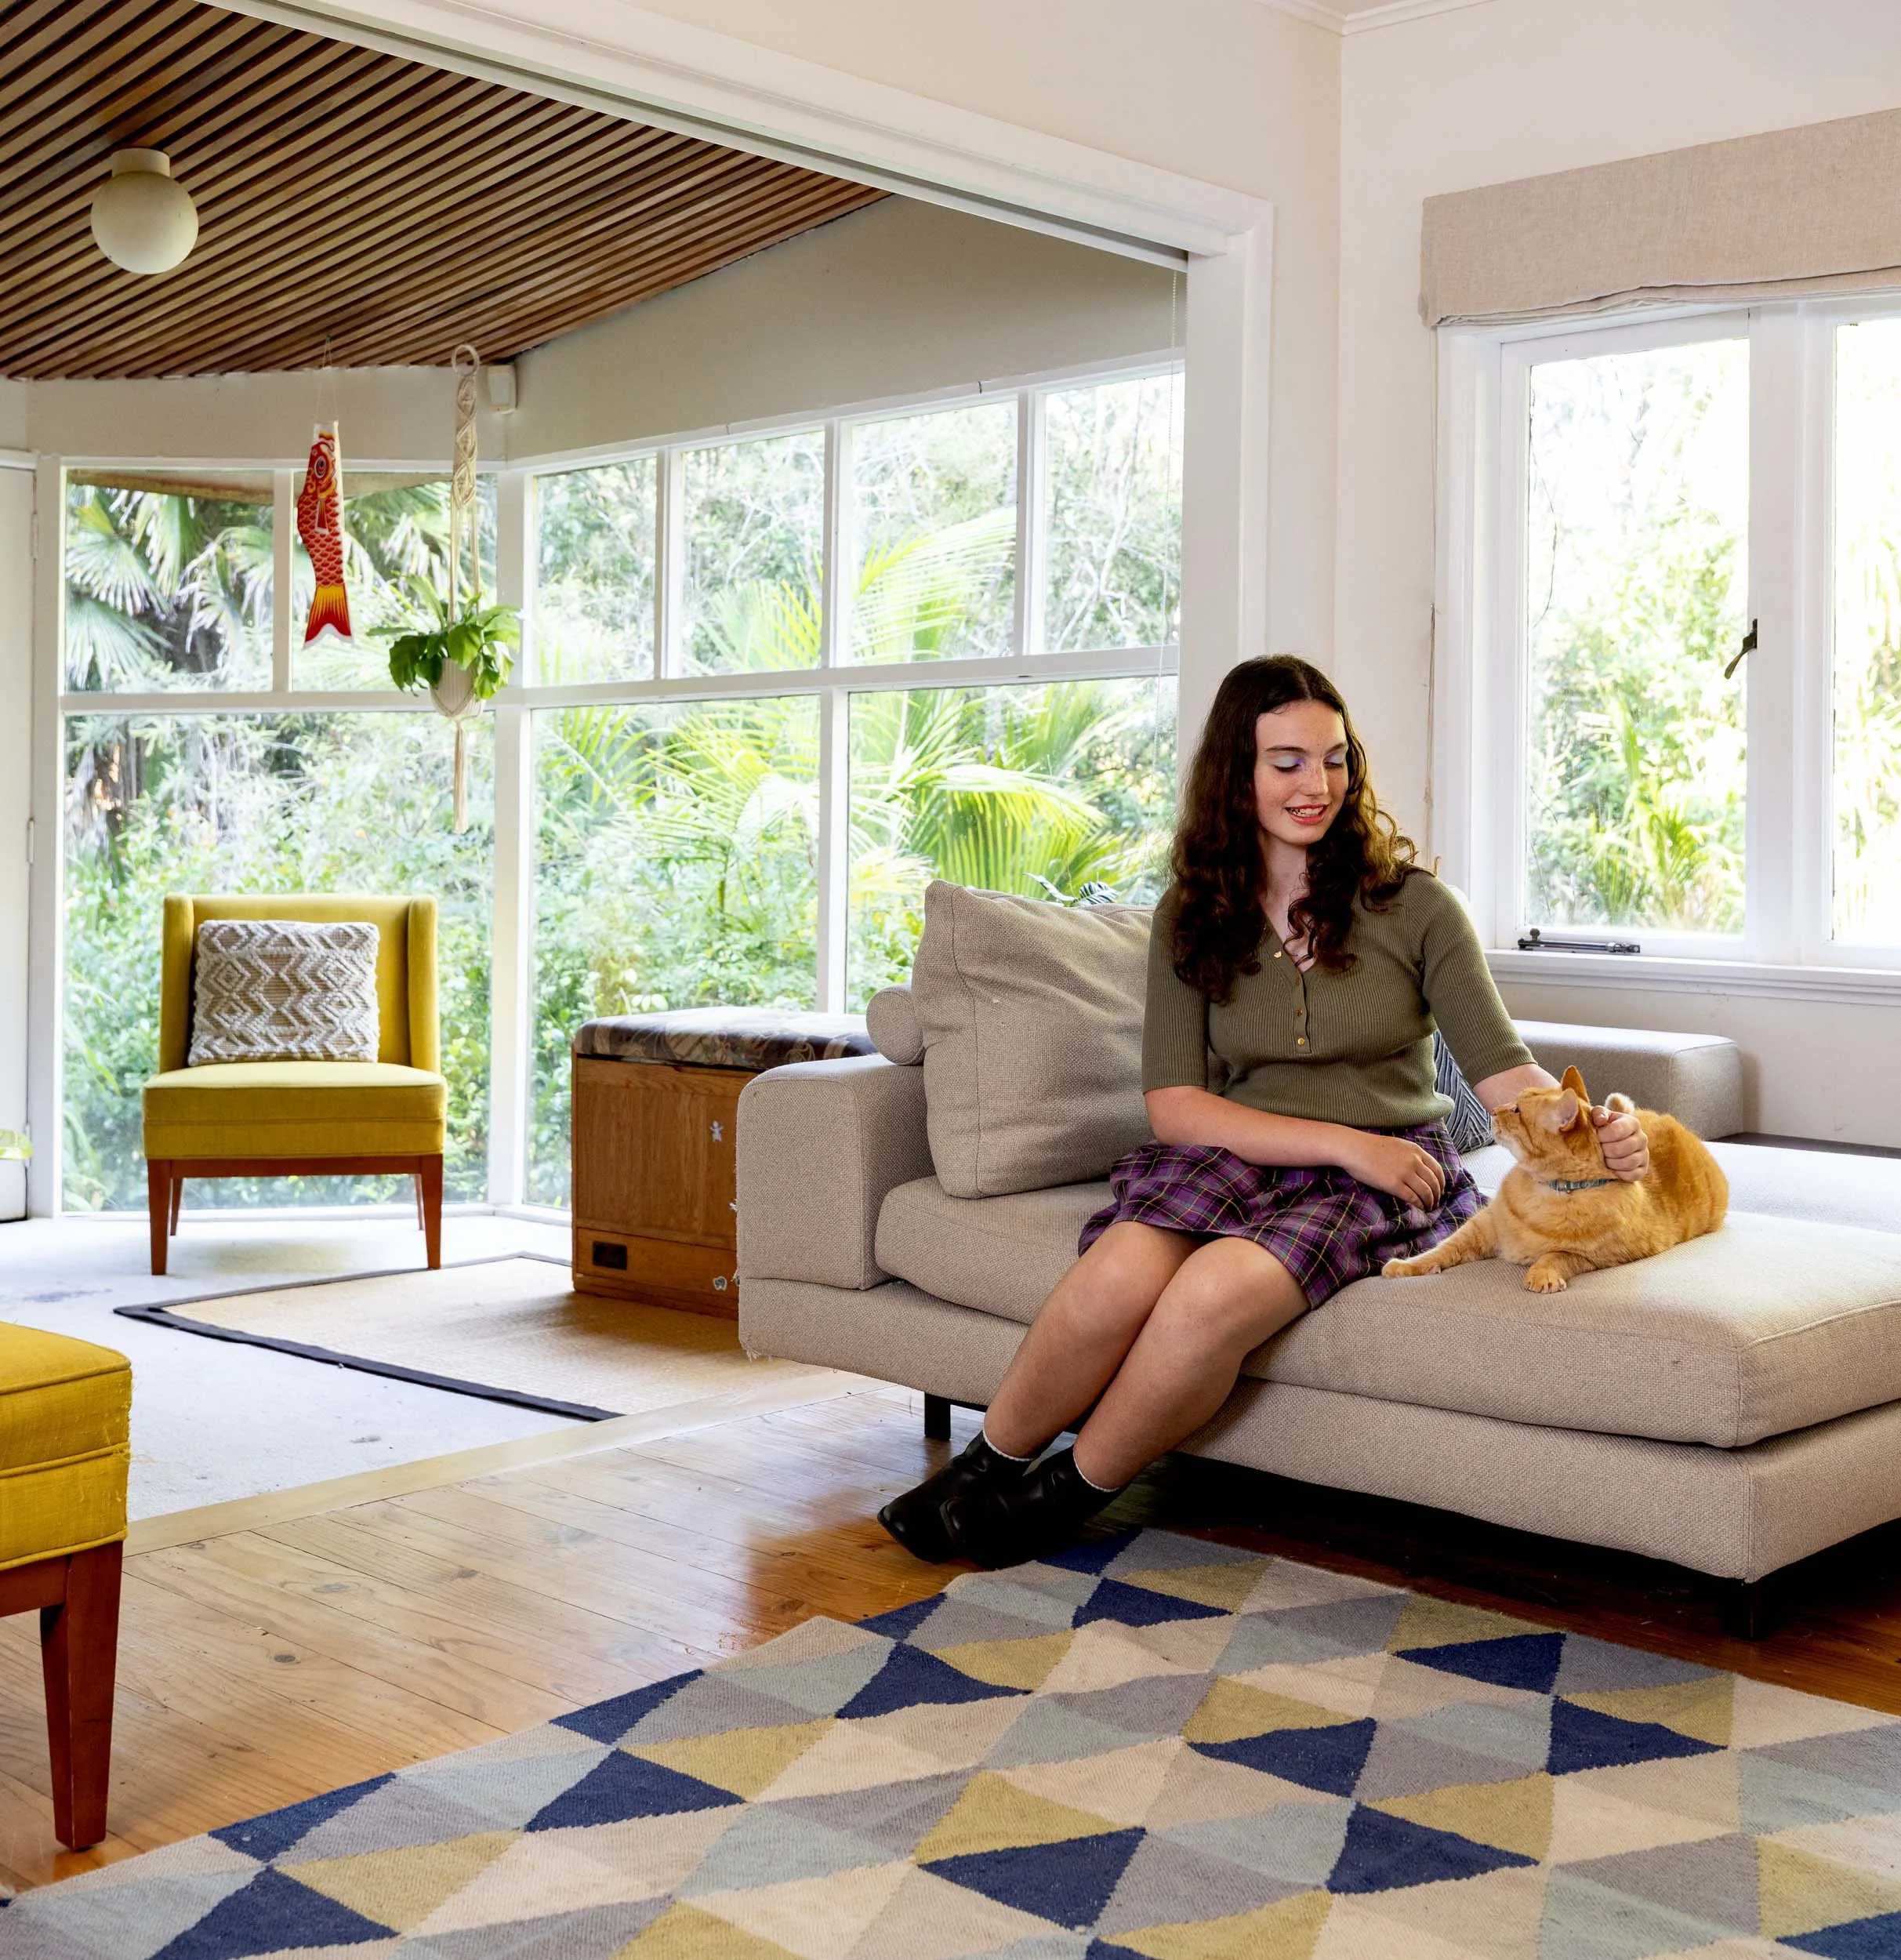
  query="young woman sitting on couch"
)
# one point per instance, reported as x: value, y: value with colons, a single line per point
x: 1301, y: 948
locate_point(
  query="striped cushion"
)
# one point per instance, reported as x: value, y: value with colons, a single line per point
x: 283, y: 990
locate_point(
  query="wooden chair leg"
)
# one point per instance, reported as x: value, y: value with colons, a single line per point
x: 79, y: 1645
x: 158, y: 1202
x: 422, y: 1224
x: 178, y: 1198
x: 429, y: 1177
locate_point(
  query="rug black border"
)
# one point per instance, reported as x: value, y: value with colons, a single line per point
x: 365, y: 1364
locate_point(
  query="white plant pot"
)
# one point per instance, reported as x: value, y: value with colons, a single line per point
x: 454, y: 694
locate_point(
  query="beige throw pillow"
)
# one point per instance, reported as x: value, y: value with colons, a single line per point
x: 1031, y: 1017
x: 281, y: 990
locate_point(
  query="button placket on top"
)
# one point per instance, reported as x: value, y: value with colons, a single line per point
x: 1300, y: 1000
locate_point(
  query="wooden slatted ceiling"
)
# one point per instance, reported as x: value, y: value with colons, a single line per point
x: 343, y: 195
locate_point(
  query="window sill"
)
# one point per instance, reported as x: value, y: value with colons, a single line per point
x: 1654, y: 973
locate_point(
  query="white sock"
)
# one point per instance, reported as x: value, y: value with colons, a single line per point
x: 1107, y: 1490
x: 1004, y: 1453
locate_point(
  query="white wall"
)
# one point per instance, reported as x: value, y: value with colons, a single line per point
x: 901, y: 298
x: 1513, y: 88
x: 402, y: 414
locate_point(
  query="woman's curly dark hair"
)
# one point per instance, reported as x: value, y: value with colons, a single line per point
x: 1220, y: 868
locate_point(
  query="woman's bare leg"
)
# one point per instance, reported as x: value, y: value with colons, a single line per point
x: 1081, y: 1333
x: 1219, y: 1304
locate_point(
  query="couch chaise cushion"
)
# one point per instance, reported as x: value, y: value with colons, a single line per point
x: 1766, y: 1326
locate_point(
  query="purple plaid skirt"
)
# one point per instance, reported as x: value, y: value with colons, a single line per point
x: 1325, y: 1228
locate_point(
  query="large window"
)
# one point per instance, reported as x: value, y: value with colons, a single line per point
x: 746, y: 766
x: 772, y: 685
x: 1672, y: 709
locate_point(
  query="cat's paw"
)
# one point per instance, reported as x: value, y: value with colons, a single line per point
x: 1410, y: 1268
x: 1544, y: 1279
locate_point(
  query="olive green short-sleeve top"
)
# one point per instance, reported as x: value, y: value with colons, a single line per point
x: 1353, y: 1047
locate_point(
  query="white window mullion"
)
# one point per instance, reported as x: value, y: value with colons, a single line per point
x: 511, y: 1002
x: 1812, y: 742
x: 669, y: 561
x: 1029, y: 624
x: 836, y: 578
x: 46, y: 923
x: 834, y: 846
x: 1769, y: 673
x: 283, y: 531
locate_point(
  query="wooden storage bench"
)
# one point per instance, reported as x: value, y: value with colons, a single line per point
x: 656, y: 1098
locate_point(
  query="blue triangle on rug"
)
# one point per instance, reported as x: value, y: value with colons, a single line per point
x: 1520, y: 1660
x: 911, y: 1677
x: 1128, y: 1606
x: 1330, y: 1758
x: 1092, y: 1555
x: 623, y: 1787
x: 1582, y: 1739
x: 608, y: 1721
x: 266, y: 1838
x: 903, y: 1620
x: 1878, y: 1938
x: 271, y: 1913
x: 1069, y: 1882
x: 1383, y: 1853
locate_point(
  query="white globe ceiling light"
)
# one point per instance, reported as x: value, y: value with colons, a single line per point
x: 142, y: 218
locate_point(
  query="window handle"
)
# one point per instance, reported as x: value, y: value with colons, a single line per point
x: 1748, y: 646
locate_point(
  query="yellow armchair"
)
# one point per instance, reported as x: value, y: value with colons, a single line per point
x: 65, y: 1414
x: 281, y: 1119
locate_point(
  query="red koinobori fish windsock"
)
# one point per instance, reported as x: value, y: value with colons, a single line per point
x: 320, y: 523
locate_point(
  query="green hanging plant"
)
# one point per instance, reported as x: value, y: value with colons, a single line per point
x: 481, y: 642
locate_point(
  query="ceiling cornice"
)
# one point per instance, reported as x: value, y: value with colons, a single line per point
x: 1324, y: 13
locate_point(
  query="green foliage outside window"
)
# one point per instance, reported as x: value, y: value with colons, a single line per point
x: 1635, y: 764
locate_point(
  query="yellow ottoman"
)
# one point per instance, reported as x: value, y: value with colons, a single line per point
x: 65, y: 1420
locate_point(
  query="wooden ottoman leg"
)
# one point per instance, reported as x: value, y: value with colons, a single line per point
x: 158, y: 1202
x: 79, y: 1645
x: 429, y: 1170
x: 178, y: 1198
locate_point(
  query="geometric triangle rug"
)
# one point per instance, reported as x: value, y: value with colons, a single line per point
x: 1151, y: 1745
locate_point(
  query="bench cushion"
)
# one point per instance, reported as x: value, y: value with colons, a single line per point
x: 294, y: 1110
x: 1766, y: 1326
x: 65, y: 1414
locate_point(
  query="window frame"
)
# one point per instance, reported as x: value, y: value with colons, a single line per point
x: 834, y: 680
x: 1476, y: 798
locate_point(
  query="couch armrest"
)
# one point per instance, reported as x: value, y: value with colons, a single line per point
x: 821, y: 1143
x: 1697, y: 1078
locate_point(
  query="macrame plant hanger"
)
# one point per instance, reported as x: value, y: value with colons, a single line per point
x: 454, y: 694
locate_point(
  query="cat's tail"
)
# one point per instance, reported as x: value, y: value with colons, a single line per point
x: 1620, y: 1105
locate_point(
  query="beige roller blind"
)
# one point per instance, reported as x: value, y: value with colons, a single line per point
x: 1816, y: 209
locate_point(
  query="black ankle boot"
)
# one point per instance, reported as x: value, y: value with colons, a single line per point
x: 1042, y: 1512
x: 915, y: 1519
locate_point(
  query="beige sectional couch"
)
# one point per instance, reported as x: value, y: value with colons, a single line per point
x: 1732, y: 1406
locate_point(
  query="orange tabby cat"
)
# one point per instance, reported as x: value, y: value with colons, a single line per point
x: 1561, y: 1212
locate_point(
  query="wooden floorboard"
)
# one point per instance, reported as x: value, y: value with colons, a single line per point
x: 302, y: 1651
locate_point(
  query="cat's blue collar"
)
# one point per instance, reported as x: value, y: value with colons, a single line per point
x: 1568, y: 1184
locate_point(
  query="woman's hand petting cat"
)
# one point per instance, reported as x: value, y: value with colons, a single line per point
x: 1391, y: 1164
x: 1620, y: 1137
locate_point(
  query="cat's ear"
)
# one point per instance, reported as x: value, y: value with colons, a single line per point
x: 1575, y: 1083
x: 1565, y: 1112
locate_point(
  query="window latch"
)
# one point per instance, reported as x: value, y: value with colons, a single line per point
x: 1748, y: 646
